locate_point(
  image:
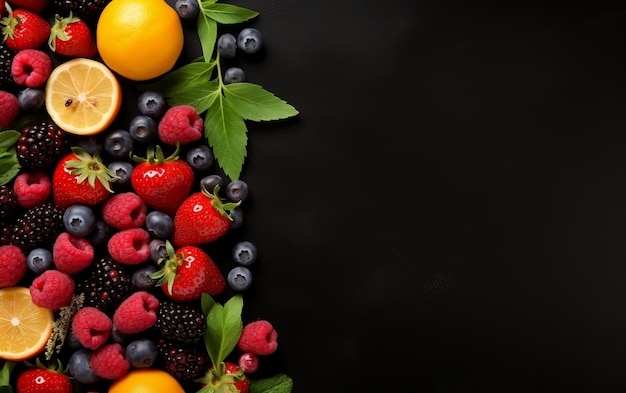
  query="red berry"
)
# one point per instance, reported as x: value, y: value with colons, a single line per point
x: 109, y: 362
x: 181, y: 124
x: 259, y: 338
x: 130, y: 246
x: 137, y: 313
x: 52, y: 289
x: 91, y: 327
x: 31, y: 67
x: 72, y: 254
x: 39, y: 380
x: 9, y: 108
x: 32, y: 188
x: 124, y: 211
x: 249, y: 362
x: 12, y: 265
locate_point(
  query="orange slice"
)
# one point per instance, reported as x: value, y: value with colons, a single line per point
x: 83, y: 96
x: 24, y: 326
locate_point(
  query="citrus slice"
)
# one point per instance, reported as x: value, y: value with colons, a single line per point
x: 24, y: 326
x: 146, y: 380
x: 83, y: 96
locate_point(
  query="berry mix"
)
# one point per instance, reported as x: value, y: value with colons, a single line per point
x: 132, y: 236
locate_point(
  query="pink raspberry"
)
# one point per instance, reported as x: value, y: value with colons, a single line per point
x: 91, y: 327
x: 52, y: 289
x: 137, y: 313
x: 249, y: 362
x: 130, y: 246
x: 32, y: 188
x: 182, y: 124
x: 259, y: 338
x: 72, y: 254
x: 109, y: 362
x: 31, y: 67
x: 12, y: 265
x: 124, y: 211
x: 9, y: 108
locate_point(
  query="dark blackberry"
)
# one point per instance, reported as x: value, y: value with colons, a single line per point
x: 41, y: 145
x: 6, y: 59
x: 37, y: 227
x: 105, y: 284
x: 88, y: 10
x: 183, y: 322
x: 8, y: 201
x: 186, y: 362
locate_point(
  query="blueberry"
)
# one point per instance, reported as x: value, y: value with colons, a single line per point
x: 227, y: 46
x: 141, y: 277
x: 237, y: 190
x: 72, y: 341
x: 249, y: 40
x: 234, y: 75
x: 30, y: 99
x: 159, y: 224
x: 143, y: 128
x: 141, y: 353
x: 187, y: 9
x: 244, y: 253
x: 92, y: 144
x: 152, y: 103
x: 157, y: 250
x: 200, y: 157
x: 239, y: 278
x: 118, y: 143
x: 80, y: 367
x: 100, y: 235
x: 209, y: 182
x: 39, y: 260
x: 236, y: 216
x: 79, y: 220
x: 123, y: 170
x: 117, y: 336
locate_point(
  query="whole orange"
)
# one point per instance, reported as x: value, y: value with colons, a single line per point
x: 146, y: 380
x: 139, y: 39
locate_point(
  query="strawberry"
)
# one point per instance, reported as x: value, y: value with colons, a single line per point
x: 23, y: 29
x: 42, y: 379
x: 80, y: 178
x: 188, y: 272
x: 37, y: 6
x: 202, y: 218
x: 163, y: 183
x: 229, y: 377
x: 2, y: 8
x: 71, y: 37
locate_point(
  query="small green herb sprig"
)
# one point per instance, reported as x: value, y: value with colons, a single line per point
x: 227, y: 107
x: 9, y: 165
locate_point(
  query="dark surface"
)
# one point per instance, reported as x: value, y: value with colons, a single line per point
x: 447, y: 214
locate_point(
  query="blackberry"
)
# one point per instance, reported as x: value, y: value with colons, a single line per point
x: 41, y: 145
x: 37, y: 227
x: 186, y: 362
x: 182, y: 322
x: 105, y: 284
x: 88, y: 10
x: 8, y: 202
x: 6, y: 59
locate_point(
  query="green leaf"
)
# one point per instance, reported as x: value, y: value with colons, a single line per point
x: 8, y: 138
x: 227, y: 13
x: 255, y: 103
x: 207, y: 303
x: 279, y: 383
x: 190, y: 77
x: 201, y: 99
x: 227, y: 135
x: 9, y: 167
x: 207, y: 32
x: 224, y: 326
x: 5, y: 376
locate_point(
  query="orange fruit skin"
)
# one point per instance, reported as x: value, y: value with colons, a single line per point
x: 146, y: 380
x: 139, y: 39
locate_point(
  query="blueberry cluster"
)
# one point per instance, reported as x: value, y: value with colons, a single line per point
x: 249, y: 41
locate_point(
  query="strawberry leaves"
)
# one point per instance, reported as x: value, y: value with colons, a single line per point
x: 227, y: 107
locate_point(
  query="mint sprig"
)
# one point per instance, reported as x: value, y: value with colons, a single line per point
x: 279, y: 383
x: 9, y: 165
x: 226, y: 107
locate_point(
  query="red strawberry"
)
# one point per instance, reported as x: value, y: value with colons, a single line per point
x: 2, y: 8
x: 229, y: 377
x: 41, y: 379
x: 202, y: 218
x: 37, y: 6
x: 188, y: 272
x: 23, y: 29
x: 71, y: 37
x: 80, y: 178
x: 163, y: 183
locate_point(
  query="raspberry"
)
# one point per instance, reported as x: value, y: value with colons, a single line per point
x: 130, y: 246
x: 9, y: 108
x: 31, y: 67
x: 72, y: 254
x: 182, y: 124
x: 12, y: 265
x: 137, y: 313
x: 259, y: 338
x: 53, y: 289
x: 249, y: 362
x: 109, y: 362
x: 91, y: 327
x: 124, y: 211
x: 32, y: 188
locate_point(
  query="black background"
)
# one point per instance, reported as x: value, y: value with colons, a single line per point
x: 447, y: 213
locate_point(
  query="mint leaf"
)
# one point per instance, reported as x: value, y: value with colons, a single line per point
x: 224, y: 326
x: 227, y: 135
x: 188, y: 78
x: 227, y: 13
x: 8, y: 138
x: 279, y: 383
x: 9, y: 167
x: 207, y: 32
x: 201, y: 99
x: 252, y: 102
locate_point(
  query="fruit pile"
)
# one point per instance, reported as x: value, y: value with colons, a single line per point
x: 122, y: 260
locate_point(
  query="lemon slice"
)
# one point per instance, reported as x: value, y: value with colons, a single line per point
x: 83, y: 96
x: 24, y: 326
